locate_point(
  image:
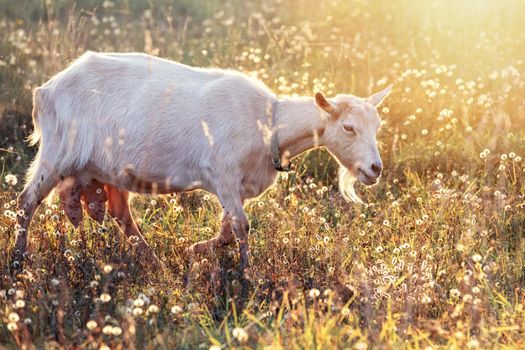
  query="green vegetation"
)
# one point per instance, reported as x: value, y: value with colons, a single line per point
x: 435, y: 259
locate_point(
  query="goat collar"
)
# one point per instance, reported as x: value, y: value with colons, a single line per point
x: 274, y: 144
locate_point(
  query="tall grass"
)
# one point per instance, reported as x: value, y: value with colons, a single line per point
x: 435, y: 259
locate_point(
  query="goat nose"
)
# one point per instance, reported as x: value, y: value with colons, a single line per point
x: 376, y: 168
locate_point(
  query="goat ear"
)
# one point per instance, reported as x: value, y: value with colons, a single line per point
x: 322, y: 103
x: 379, y: 97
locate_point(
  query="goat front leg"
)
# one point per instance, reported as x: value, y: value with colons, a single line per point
x: 233, y: 205
x: 241, y: 227
x: 234, y: 225
x: 224, y: 238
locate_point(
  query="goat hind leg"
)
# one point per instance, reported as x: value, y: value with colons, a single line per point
x: 118, y: 208
x: 39, y: 186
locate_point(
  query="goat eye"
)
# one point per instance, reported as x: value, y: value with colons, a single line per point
x: 349, y: 129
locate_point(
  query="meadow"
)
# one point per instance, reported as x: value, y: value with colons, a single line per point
x: 434, y: 259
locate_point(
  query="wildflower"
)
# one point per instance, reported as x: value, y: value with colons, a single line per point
x: 20, y: 304
x: 11, y: 180
x: 314, y: 293
x: 105, y: 297
x: 107, y: 329
x: 345, y: 311
x: 11, y: 326
x: 91, y: 324
x: 108, y: 268
x: 424, y: 132
x: 137, y: 311
x: 153, y: 309
x: 454, y: 293
x: 467, y: 298
x: 426, y: 299
x: 215, y: 347
x: 476, y: 257
x: 240, y: 334
x: 138, y: 302
x: 116, y: 331
x: 360, y: 346
x: 473, y: 344
x: 13, y: 317
x: 176, y: 309
x: 475, y: 290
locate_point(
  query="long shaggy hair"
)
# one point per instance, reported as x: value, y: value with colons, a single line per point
x: 346, y: 185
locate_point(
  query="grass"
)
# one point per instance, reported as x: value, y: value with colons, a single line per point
x: 435, y: 259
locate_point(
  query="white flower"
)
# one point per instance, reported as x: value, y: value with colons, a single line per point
x: 454, y: 293
x: 314, y: 293
x: 13, y: 317
x: 176, y: 309
x: 360, y: 346
x: 476, y: 258
x: 91, y: 325
x: 11, y: 180
x: 107, y: 329
x: 153, y: 309
x: 240, y: 334
x: 105, y: 297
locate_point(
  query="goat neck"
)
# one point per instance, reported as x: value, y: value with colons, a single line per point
x: 300, y: 124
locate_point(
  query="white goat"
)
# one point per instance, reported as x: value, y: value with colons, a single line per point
x: 115, y: 123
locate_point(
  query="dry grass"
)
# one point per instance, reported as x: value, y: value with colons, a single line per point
x: 434, y: 260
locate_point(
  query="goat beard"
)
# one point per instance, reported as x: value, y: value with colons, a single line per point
x: 346, y: 185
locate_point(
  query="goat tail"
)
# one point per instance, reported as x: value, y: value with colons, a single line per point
x: 36, y: 135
